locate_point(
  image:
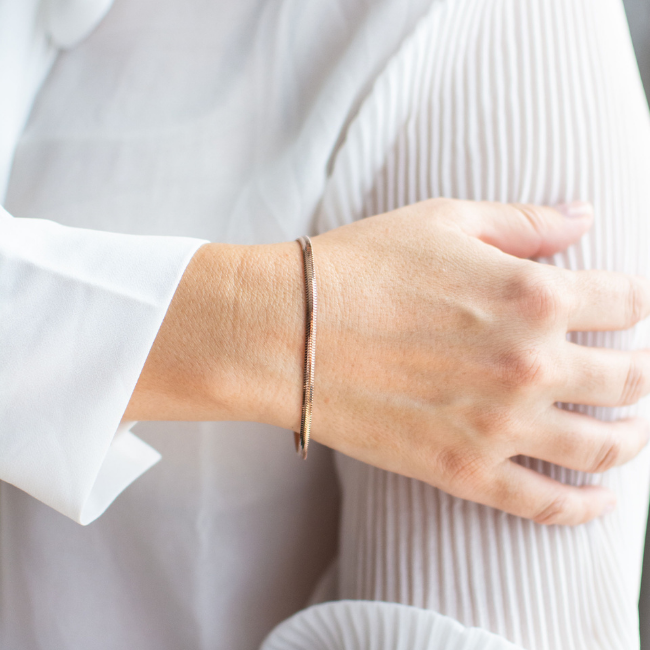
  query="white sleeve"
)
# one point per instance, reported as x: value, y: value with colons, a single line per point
x: 79, y: 311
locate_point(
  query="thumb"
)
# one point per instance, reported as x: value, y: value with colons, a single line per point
x: 527, y: 230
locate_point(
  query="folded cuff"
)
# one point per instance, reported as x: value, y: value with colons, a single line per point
x: 79, y: 312
x: 127, y: 458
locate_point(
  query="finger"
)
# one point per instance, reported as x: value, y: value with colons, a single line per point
x: 523, y: 492
x: 580, y: 442
x: 603, y: 377
x: 526, y: 230
x: 605, y: 301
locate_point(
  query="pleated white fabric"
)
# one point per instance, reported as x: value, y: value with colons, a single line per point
x: 362, y: 625
x: 537, y: 101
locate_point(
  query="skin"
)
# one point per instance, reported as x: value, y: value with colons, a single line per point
x: 441, y: 351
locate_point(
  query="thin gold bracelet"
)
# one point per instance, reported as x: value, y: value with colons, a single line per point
x: 302, y: 438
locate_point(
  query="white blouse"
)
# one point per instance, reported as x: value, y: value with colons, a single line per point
x: 173, y: 124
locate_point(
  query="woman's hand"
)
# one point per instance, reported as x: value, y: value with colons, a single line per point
x: 440, y: 355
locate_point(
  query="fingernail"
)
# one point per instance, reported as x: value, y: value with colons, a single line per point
x: 576, y: 209
x: 608, y: 509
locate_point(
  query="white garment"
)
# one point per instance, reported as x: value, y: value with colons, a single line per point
x: 537, y: 101
x: 80, y: 310
x: 214, y: 121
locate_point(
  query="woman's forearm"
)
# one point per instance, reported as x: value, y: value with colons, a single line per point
x: 230, y: 346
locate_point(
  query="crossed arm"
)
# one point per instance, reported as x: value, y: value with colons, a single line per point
x: 441, y: 353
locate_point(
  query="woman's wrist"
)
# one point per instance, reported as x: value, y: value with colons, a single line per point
x: 271, y: 356
x: 231, y: 344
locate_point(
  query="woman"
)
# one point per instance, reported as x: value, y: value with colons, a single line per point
x: 163, y: 96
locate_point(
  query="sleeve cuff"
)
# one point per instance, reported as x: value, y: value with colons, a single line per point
x: 79, y: 312
x: 127, y: 458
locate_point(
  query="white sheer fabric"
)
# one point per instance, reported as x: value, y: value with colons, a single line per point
x: 242, y: 121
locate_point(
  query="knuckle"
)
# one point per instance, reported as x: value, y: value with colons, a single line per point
x: 533, y: 215
x: 635, y: 385
x: 530, y: 212
x: 461, y: 469
x: 449, y: 211
x: 523, y: 368
x: 635, y: 303
x: 553, y: 511
x: 538, y: 299
x: 442, y: 205
x: 495, y: 424
x: 445, y: 202
x: 608, y: 455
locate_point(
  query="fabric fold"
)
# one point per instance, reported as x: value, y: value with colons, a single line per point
x: 127, y: 458
x: 70, y: 21
x: 26, y: 55
x: 31, y: 34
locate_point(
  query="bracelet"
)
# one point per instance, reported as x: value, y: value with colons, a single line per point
x: 302, y: 438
